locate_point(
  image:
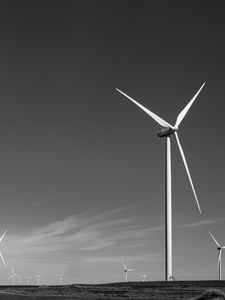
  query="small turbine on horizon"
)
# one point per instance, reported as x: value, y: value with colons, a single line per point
x: 28, y: 278
x: 13, y: 275
x: 126, y: 271
x: 38, y: 276
x: 219, y: 248
x: 143, y: 277
x: 60, y: 275
x: 166, y: 131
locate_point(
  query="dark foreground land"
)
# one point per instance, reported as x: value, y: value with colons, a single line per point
x: 151, y: 290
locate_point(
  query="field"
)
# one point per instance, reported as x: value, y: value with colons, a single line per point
x: 151, y: 290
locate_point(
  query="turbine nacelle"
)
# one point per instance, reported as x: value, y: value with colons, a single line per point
x: 167, y: 131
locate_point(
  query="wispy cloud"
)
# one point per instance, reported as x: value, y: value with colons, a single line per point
x: 119, y: 259
x: 202, y: 222
x: 38, y: 203
x: 76, y: 236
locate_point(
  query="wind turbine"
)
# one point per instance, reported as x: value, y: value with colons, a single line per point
x: 28, y: 279
x: 0, y: 251
x: 60, y: 275
x: 126, y: 271
x: 219, y: 248
x: 166, y: 132
x: 143, y: 277
x: 38, y: 276
x: 13, y: 275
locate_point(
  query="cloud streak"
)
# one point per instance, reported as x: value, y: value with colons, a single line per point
x: 76, y: 236
x: 202, y: 223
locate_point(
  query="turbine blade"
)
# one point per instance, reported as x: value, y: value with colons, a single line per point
x: 151, y: 114
x: 3, y: 260
x: 3, y: 236
x: 130, y: 270
x: 125, y: 268
x: 187, y: 107
x: 214, y: 239
x: 187, y: 170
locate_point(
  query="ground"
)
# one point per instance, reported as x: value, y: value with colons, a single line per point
x: 151, y: 290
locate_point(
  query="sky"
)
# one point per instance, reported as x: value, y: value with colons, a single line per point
x: 81, y: 167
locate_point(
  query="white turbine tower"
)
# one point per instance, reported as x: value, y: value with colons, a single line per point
x: 38, y: 276
x: 219, y: 248
x: 13, y: 275
x: 0, y: 251
x: 126, y: 271
x: 166, y: 132
x: 28, y: 278
x: 60, y: 275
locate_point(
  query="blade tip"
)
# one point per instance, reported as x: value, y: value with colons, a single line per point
x: 203, y: 84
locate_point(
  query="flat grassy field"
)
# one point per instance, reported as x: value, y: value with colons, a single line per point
x: 151, y: 290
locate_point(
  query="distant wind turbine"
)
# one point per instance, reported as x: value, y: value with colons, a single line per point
x: 13, y: 275
x: 60, y: 275
x: 28, y: 278
x: 166, y: 132
x: 38, y: 276
x: 143, y: 277
x: 219, y: 248
x: 126, y: 271
x: 1, y: 238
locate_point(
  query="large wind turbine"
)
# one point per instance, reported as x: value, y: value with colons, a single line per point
x: 219, y: 248
x: 166, y: 132
x: 126, y: 271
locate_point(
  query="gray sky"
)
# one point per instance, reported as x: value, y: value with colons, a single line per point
x: 81, y: 167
